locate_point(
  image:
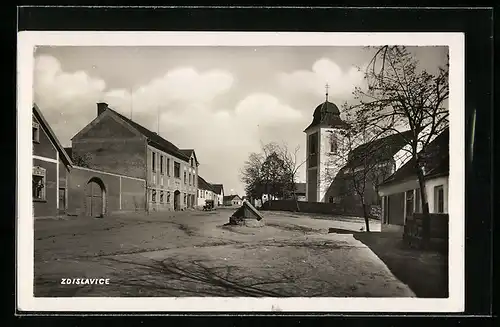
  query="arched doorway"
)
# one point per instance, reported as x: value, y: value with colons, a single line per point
x: 95, y: 193
x: 177, y: 200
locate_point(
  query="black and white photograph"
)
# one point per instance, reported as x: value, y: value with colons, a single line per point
x: 241, y: 171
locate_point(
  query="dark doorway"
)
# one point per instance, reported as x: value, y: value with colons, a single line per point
x: 62, y: 200
x: 177, y: 200
x: 396, y: 209
x: 94, y: 198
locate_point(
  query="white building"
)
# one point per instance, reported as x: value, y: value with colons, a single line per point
x: 205, y: 192
x: 322, y: 140
x: 401, y: 192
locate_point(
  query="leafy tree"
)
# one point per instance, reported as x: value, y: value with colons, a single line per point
x: 84, y: 160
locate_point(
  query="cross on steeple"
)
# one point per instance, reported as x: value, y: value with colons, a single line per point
x: 326, y: 87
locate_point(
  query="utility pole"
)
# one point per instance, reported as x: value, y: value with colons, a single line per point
x: 131, y: 103
x: 158, y: 120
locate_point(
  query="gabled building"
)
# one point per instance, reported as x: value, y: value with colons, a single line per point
x: 205, y: 192
x: 300, y: 191
x: 116, y: 144
x: 401, y: 195
x: 51, y: 166
x: 219, y: 192
x: 368, y: 165
x: 232, y: 200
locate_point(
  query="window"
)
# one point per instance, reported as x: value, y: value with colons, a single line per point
x: 333, y: 144
x: 313, y: 143
x: 168, y: 166
x: 153, y: 196
x: 36, y: 132
x: 153, y: 161
x: 177, y: 170
x: 39, y: 183
x: 168, y: 197
x: 330, y: 199
x: 192, y: 162
x: 161, y: 196
x: 185, y: 198
x: 439, y: 199
x: 185, y: 178
x: 189, y: 179
x: 161, y: 164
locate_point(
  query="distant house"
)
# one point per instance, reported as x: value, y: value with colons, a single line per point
x: 401, y: 191
x: 300, y: 191
x: 205, y: 192
x: 51, y: 166
x: 219, y: 191
x: 232, y: 200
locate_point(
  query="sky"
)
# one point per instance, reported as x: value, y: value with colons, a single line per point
x: 224, y: 102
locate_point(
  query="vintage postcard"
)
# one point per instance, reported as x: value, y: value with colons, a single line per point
x: 228, y: 171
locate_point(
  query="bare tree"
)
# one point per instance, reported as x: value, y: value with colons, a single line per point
x: 292, y: 164
x: 367, y: 160
x: 400, y: 96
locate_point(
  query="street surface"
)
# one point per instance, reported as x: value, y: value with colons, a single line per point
x: 192, y: 254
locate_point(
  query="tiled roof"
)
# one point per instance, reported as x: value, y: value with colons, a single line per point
x: 379, y: 150
x: 154, y: 138
x: 231, y: 197
x: 436, y: 159
x: 217, y: 188
x: 203, y: 184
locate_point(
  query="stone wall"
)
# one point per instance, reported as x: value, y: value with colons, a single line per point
x: 313, y: 207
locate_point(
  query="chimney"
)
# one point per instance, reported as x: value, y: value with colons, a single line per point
x: 101, y: 107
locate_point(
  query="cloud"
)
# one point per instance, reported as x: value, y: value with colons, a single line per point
x: 65, y: 98
x: 184, y: 101
x: 341, y: 82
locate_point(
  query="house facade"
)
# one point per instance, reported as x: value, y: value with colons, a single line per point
x: 114, y: 144
x: 300, y: 191
x: 205, y: 192
x: 322, y: 137
x: 51, y: 166
x: 232, y: 200
x: 401, y: 196
x: 219, y: 192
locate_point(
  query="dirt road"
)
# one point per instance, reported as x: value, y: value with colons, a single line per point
x: 192, y: 254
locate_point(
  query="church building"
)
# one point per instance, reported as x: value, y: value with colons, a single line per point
x: 322, y: 137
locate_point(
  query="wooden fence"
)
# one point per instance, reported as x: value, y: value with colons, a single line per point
x: 423, y: 233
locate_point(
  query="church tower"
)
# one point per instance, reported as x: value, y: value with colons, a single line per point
x: 321, y: 145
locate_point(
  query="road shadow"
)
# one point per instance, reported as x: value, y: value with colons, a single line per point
x: 424, y: 271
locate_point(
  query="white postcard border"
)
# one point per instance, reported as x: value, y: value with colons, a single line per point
x: 27, y: 40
